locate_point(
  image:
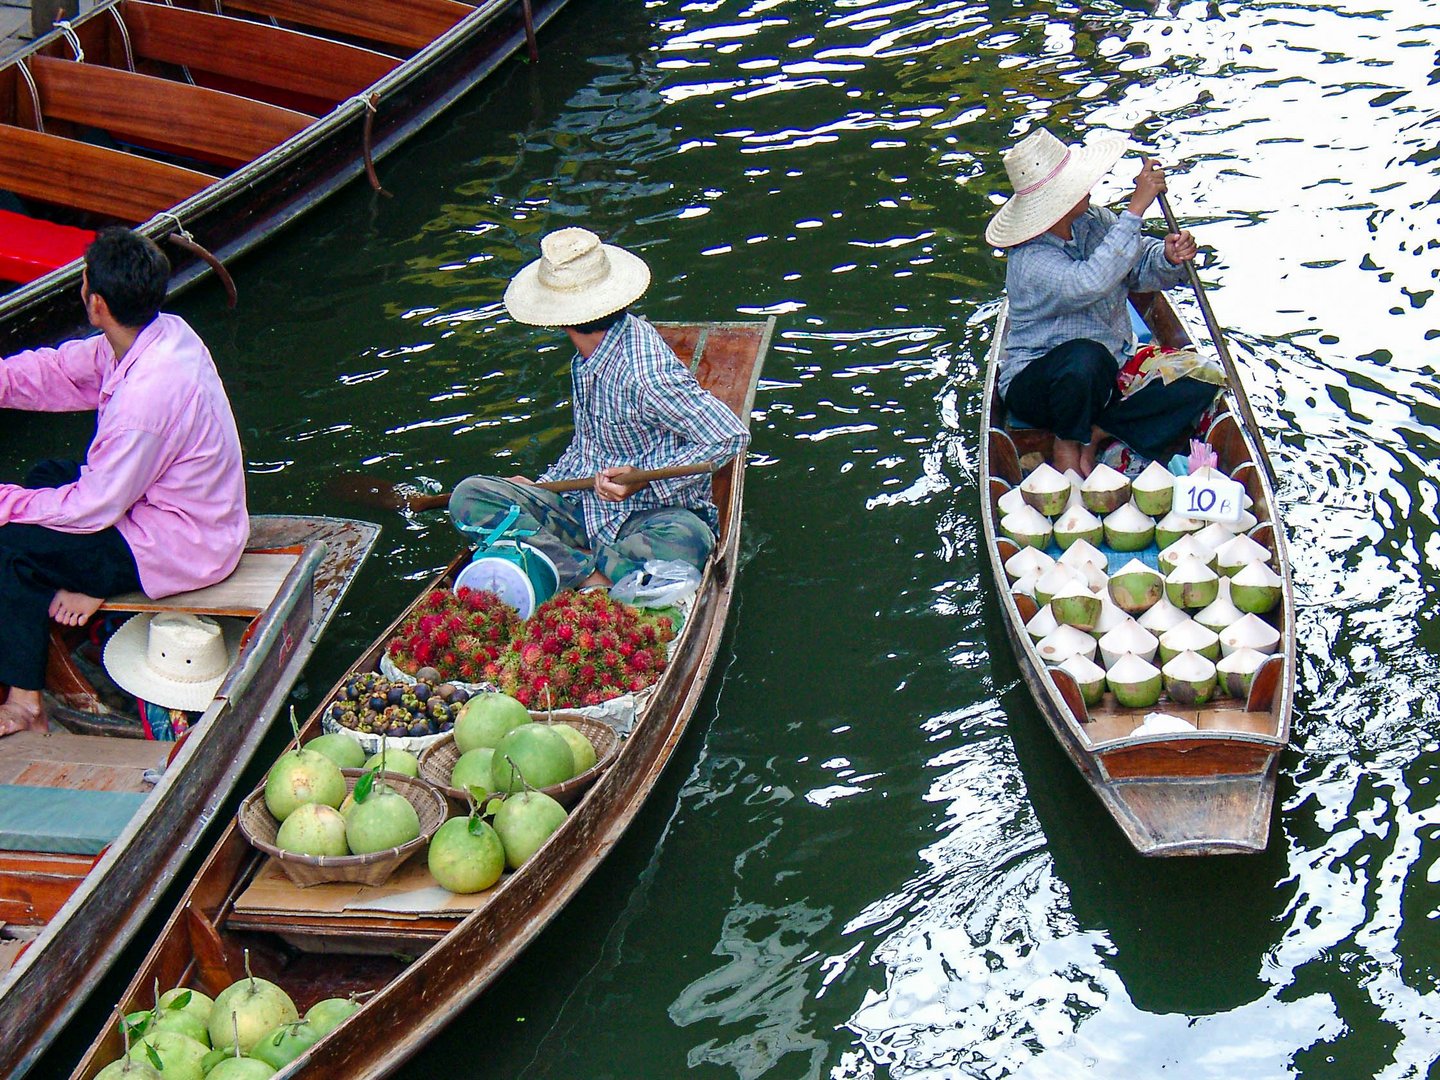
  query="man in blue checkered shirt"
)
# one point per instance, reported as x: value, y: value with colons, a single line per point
x: 636, y: 407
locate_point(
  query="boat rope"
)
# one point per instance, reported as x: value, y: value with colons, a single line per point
x: 371, y: 100
x: 181, y: 238
x: 124, y: 38
x: 530, y: 32
x: 63, y: 25
x: 34, y: 95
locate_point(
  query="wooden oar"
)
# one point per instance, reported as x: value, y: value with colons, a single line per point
x: 1242, y: 402
x: 384, y: 495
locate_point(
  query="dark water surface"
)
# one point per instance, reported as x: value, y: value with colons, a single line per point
x: 869, y: 858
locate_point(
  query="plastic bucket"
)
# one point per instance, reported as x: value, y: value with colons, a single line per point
x: 521, y: 575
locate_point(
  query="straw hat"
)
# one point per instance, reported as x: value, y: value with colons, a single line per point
x: 172, y: 658
x: 1049, y: 178
x: 576, y: 280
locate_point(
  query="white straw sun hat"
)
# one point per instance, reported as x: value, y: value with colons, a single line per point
x: 1049, y: 178
x: 576, y: 280
x: 172, y: 658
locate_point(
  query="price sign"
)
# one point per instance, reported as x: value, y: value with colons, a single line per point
x: 1216, y: 498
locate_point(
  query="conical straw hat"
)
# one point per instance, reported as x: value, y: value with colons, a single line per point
x: 1049, y: 178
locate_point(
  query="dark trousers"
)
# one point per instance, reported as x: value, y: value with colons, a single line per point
x: 35, y: 562
x: 1071, y: 389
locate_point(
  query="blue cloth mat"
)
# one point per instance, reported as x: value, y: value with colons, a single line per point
x: 63, y: 821
x: 1150, y: 556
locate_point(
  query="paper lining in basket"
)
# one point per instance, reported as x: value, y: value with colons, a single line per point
x: 390, y: 671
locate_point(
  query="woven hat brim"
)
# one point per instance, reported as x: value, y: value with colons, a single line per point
x: 125, y: 663
x: 530, y: 301
x: 1024, y: 217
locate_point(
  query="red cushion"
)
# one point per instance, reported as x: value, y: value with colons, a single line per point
x: 31, y: 248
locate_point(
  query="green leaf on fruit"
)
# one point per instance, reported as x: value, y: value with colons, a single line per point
x: 494, y: 805
x: 155, y: 1058
x: 181, y: 1000
x: 477, y: 825
x: 364, y: 786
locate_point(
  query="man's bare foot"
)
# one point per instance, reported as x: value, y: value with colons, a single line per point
x: 595, y: 578
x: 22, y: 711
x: 73, y: 608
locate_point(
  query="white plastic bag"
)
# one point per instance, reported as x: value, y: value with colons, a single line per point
x: 660, y: 583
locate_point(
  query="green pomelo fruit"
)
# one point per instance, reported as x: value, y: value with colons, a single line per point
x: 313, y: 829
x: 472, y: 770
x: 129, y: 1069
x: 465, y: 858
x: 299, y: 777
x: 396, y: 761
x: 215, y: 1057
x: 197, y: 1003
x: 345, y: 750
x: 325, y: 1016
x: 283, y: 1045
x: 180, y: 1055
x: 486, y: 718
x: 181, y: 1021
x: 383, y: 821
x: 241, y: 1068
x: 581, y: 748
x: 533, y: 754
x: 525, y: 821
x: 255, y: 1006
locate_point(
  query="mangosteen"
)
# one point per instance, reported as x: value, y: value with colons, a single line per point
x: 397, y: 730
x: 418, y: 728
x: 445, y: 690
x: 376, y: 703
x: 461, y: 695
x: 429, y: 675
x: 437, y: 708
x: 351, y: 691
x: 446, y: 725
x: 395, y: 695
x: 421, y: 690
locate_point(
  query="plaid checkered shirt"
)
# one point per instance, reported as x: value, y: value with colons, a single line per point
x: 636, y: 404
x: 1061, y: 291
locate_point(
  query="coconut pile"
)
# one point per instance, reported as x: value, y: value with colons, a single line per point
x: 1194, y: 629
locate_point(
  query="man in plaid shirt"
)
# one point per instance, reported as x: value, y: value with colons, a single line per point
x: 636, y: 407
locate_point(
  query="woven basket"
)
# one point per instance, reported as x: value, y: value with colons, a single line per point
x: 260, y: 827
x: 438, y: 761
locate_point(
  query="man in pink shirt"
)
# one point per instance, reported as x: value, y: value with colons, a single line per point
x: 159, y: 503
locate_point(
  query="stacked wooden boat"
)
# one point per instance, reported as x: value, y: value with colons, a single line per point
x: 1199, y: 778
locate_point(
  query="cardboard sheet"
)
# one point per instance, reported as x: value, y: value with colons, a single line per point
x: 410, y: 893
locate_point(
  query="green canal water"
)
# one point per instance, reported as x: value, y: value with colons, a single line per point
x: 868, y: 858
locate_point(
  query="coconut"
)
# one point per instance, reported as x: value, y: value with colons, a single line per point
x: 1221, y: 613
x: 1064, y: 642
x: 1186, y: 546
x: 1247, y: 520
x: 1095, y: 579
x: 1189, y: 679
x: 1237, y: 553
x: 1027, y: 527
x: 1110, y: 617
x: 1027, y: 560
x: 1153, y: 490
x: 1162, y: 616
x: 1077, y: 523
x: 1249, y: 632
x: 1128, y: 637
x: 1134, y: 681
x: 1189, y: 636
x: 1011, y: 501
x: 1041, y: 623
x: 1025, y: 586
x: 1046, y: 490
x: 1192, y: 584
x: 1214, y: 536
x: 1173, y: 526
x: 1088, y: 675
x: 1075, y: 605
x: 1082, y: 553
x: 1236, y: 671
x: 1255, y: 588
x: 1104, y: 490
x: 1127, y: 529
x: 1052, y: 581
x: 1136, y: 587
x: 1076, y: 482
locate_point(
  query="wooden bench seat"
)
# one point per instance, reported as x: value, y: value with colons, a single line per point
x: 31, y: 247
x: 245, y: 593
x: 403, y: 24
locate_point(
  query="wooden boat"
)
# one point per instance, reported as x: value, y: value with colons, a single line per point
x: 213, y: 130
x: 1209, y: 791
x: 94, y: 825
x: 424, y: 967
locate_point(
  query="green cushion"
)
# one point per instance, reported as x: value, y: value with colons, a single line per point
x: 63, y: 821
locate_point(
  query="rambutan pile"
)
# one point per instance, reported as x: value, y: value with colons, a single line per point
x: 457, y: 634
x: 582, y: 648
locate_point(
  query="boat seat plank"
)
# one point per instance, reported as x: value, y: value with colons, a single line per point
x: 150, y: 111
x: 249, y: 590
x: 31, y: 247
x: 125, y: 186
x: 411, y: 24
x: 717, y: 369
x: 63, y: 820
x: 61, y: 759
x: 253, y: 52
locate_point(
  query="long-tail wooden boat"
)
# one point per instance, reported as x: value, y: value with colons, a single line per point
x: 1206, y: 791
x: 95, y: 822
x: 423, y: 968
x: 214, y: 126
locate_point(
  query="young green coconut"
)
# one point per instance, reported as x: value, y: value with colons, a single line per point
x: 1189, y: 636
x: 1173, y: 526
x: 1041, y: 624
x: 1153, y: 490
x: 1136, y: 588
x: 1128, y: 637
x: 1077, y: 523
x: 1075, y: 605
x: 1236, y: 671
x: 1221, y: 613
x: 1025, y: 586
x: 1064, y: 642
x: 1161, y: 616
x: 1110, y: 617
x: 1046, y: 489
x: 1027, y: 560
x: 1082, y: 554
x: 1134, y: 681
x: 1128, y: 529
x: 1192, y: 585
x: 1189, y: 679
x: 1184, y: 548
x: 1011, y: 501
x: 1053, y: 580
x: 1249, y: 632
x: 1104, y: 490
x: 1088, y: 675
x: 1027, y: 527
x: 1255, y: 588
x: 1238, y: 553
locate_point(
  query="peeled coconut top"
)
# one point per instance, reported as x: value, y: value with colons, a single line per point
x: 1027, y: 583
x: 1056, y: 578
x: 1063, y: 642
x: 1131, y: 669
x: 1128, y: 637
x: 1081, y: 553
x: 1076, y: 519
x: 1082, y: 668
x: 1044, y: 479
x: 1241, y: 662
x: 1042, y: 622
x: 1190, y: 568
x: 1257, y: 573
x: 1110, y: 616
x: 1027, y: 521
x: 1104, y: 478
x: 1028, y: 560
x: 1129, y: 519
x: 1173, y: 522
x: 1135, y: 566
x: 1222, y: 612
x: 1075, y: 587
x: 1214, y: 536
x: 1189, y: 666
x: 1163, y: 616
x: 1011, y: 501
x: 1155, y: 478
x: 1250, y: 632
x: 1188, y: 635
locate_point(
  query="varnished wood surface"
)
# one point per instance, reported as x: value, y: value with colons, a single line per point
x: 405, y: 24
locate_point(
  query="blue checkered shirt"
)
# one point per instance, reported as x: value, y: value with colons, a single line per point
x: 636, y: 404
x: 1063, y: 290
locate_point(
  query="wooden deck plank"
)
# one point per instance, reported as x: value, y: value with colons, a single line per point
x: 411, y: 24
x: 248, y: 591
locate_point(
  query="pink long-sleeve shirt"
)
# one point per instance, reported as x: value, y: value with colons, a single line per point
x: 165, y: 467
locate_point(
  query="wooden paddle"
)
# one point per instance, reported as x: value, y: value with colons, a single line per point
x: 384, y: 495
x: 1231, y: 372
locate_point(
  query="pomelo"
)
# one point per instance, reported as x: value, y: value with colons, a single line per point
x: 396, y: 761
x: 313, y: 829
x: 532, y: 754
x: 325, y: 1016
x: 283, y: 1045
x: 581, y: 748
x: 466, y: 855
x: 486, y: 718
x: 179, y: 1054
x: 342, y: 748
x: 472, y: 770
x: 299, y: 777
x: 252, y: 1005
x: 525, y: 821
x: 383, y: 821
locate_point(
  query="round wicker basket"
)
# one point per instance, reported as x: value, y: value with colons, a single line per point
x: 260, y: 827
x: 437, y: 761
